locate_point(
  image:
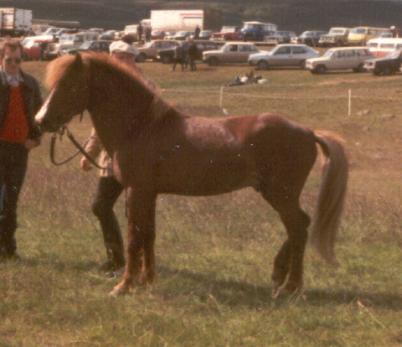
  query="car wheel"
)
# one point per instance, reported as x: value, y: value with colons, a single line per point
x: 262, y: 65
x: 377, y: 72
x: 360, y: 68
x: 302, y: 64
x: 320, y: 69
x: 213, y: 61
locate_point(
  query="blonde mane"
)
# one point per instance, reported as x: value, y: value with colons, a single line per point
x: 57, y: 68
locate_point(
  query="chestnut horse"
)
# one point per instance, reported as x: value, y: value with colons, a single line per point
x: 158, y: 149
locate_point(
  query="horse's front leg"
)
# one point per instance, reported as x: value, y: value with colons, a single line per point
x: 147, y: 272
x: 141, y: 212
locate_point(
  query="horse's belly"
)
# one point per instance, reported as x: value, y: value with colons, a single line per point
x: 208, y: 179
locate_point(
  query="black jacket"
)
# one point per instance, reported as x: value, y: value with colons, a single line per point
x: 32, y: 101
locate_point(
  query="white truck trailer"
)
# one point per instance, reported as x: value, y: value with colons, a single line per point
x: 15, y: 21
x: 177, y: 20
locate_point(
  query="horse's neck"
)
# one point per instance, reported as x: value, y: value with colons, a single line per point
x: 116, y: 107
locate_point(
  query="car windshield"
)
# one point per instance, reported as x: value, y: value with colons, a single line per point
x: 337, y: 31
x: 358, y: 31
x: 25, y: 42
x: 251, y: 26
x: 329, y: 53
x: 86, y: 45
x: 228, y: 30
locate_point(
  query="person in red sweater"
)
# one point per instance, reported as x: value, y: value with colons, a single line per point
x: 20, y: 99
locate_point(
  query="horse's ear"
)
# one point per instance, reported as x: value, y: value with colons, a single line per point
x: 78, y: 60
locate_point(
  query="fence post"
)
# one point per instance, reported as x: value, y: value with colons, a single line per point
x: 225, y: 112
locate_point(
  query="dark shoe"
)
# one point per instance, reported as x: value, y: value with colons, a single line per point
x: 110, y: 266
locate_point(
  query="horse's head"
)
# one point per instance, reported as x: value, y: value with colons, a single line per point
x: 69, y: 93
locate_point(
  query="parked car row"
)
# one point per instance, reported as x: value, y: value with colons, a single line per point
x: 215, y: 52
x: 357, y: 59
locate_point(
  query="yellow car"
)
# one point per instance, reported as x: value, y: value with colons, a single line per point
x: 360, y: 35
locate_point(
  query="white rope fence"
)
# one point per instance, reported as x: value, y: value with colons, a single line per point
x: 273, y: 96
x: 231, y: 92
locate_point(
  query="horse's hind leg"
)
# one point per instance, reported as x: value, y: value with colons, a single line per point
x: 288, y: 263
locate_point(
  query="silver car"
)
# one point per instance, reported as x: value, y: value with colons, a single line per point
x: 231, y: 52
x: 341, y: 58
x: 283, y: 55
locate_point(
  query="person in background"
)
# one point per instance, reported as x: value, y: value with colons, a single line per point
x: 148, y: 33
x: 179, y: 57
x: 140, y: 31
x: 197, y: 32
x: 192, y: 54
x: 44, y: 50
x: 20, y: 99
x: 109, y: 189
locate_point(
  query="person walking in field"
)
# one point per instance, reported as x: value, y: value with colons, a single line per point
x: 109, y: 189
x: 20, y: 99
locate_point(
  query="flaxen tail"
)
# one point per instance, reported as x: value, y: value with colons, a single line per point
x: 332, y: 195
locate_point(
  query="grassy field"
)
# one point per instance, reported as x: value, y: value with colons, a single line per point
x: 215, y: 254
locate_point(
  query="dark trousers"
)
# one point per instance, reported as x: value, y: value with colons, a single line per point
x: 108, y: 191
x: 180, y: 61
x: 191, y: 62
x: 13, y: 165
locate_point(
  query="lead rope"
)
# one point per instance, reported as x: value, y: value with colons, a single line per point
x: 64, y: 130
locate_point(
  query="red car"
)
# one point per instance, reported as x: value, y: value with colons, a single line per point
x: 228, y: 33
x: 33, y: 46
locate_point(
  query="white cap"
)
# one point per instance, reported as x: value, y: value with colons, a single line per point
x: 121, y: 46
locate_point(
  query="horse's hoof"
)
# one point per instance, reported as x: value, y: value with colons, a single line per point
x: 276, y: 290
x: 146, y: 278
x: 294, y: 291
x: 120, y: 289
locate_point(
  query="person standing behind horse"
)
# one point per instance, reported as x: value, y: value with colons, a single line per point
x: 192, y: 54
x: 109, y: 189
x: 20, y: 99
x: 179, y: 57
x: 197, y: 32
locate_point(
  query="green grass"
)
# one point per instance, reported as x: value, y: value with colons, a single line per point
x: 215, y: 254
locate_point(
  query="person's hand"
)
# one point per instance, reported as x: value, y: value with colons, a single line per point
x: 85, y: 164
x: 29, y: 144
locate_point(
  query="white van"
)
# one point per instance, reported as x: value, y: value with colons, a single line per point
x: 381, y: 47
x: 341, y: 58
